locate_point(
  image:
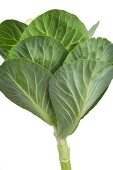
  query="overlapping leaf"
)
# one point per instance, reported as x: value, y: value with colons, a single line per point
x: 43, y: 50
x: 99, y: 49
x: 26, y: 84
x: 60, y: 25
x: 74, y: 89
x: 92, y: 49
x: 10, y: 33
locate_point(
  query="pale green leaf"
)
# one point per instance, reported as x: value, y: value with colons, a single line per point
x: 74, y: 89
x: 93, y: 29
x: 43, y: 50
x: 108, y: 54
x: 95, y: 103
x: 60, y: 25
x: 10, y: 33
x: 92, y: 49
x: 26, y: 84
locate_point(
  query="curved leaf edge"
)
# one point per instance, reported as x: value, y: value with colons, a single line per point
x: 51, y: 123
x: 107, y: 47
x: 3, y: 51
x: 72, y: 129
x: 34, y: 36
x: 47, y: 12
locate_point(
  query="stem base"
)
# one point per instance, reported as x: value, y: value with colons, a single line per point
x: 64, y: 154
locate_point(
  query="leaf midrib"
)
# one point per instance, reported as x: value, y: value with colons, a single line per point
x: 87, y: 88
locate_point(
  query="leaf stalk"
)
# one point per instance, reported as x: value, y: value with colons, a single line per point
x: 64, y: 154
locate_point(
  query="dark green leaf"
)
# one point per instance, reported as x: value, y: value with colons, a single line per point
x: 10, y: 33
x: 60, y: 25
x: 26, y: 84
x: 43, y: 50
x: 74, y: 89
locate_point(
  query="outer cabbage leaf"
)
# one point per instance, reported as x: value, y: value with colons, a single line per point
x: 60, y: 25
x: 10, y: 33
x: 26, y: 84
x: 92, y: 49
x: 99, y: 49
x: 74, y: 89
x: 43, y: 50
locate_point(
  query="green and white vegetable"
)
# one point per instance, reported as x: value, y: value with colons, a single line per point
x: 54, y: 69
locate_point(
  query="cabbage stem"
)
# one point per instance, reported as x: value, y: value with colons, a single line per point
x: 64, y: 154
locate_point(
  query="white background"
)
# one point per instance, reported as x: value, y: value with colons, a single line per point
x: 27, y: 143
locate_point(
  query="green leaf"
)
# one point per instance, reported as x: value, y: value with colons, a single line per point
x: 43, y: 50
x: 26, y: 84
x: 74, y: 89
x: 93, y: 29
x: 108, y: 54
x: 10, y: 33
x: 92, y: 49
x: 60, y: 25
x: 95, y: 103
x: 3, y: 52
